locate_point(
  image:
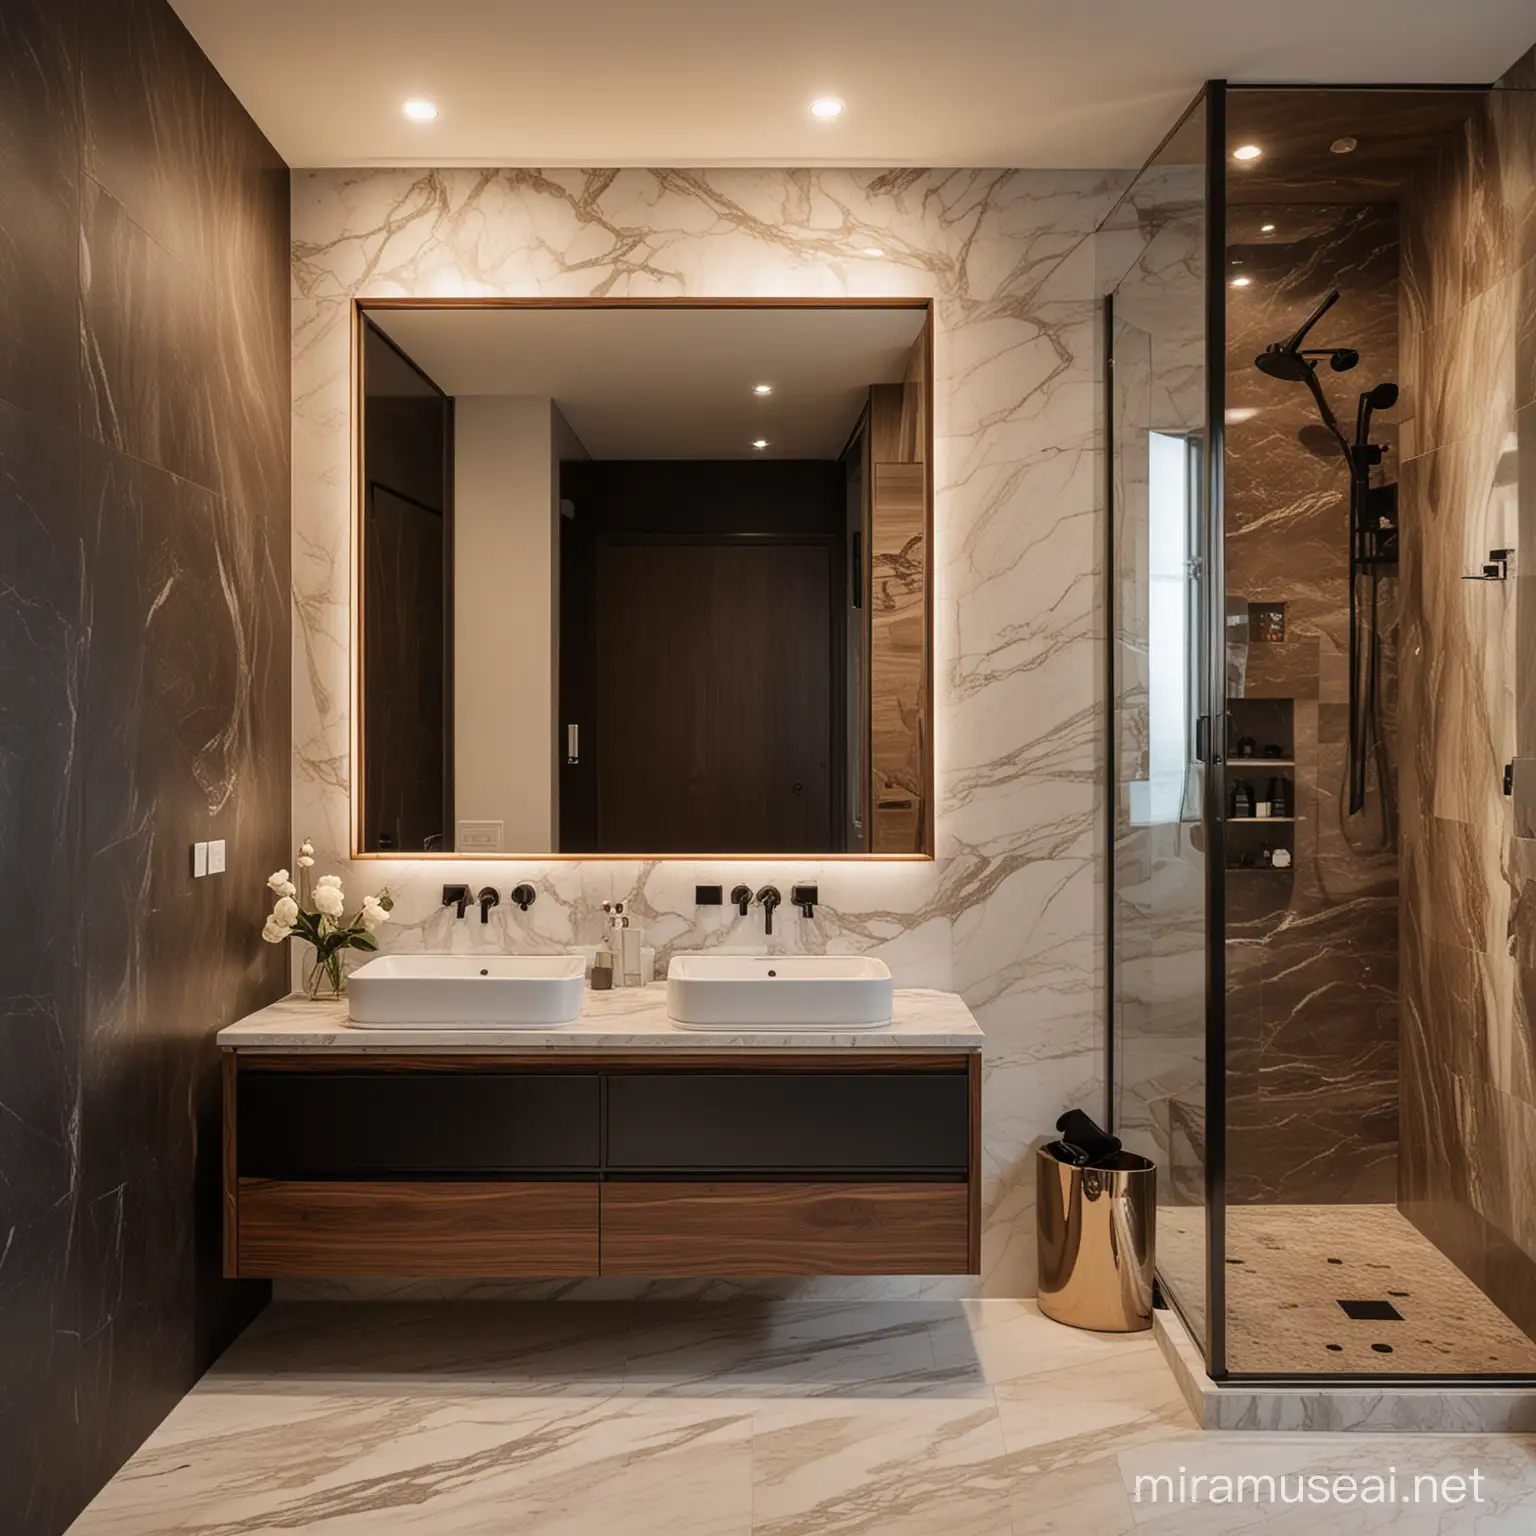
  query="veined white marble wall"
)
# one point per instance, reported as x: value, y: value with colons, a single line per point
x: 1009, y: 913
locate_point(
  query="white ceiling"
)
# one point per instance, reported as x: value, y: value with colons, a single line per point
x: 671, y: 383
x: 723, y: 82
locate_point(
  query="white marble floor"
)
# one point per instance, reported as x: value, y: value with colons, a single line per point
x: 727, y: 1419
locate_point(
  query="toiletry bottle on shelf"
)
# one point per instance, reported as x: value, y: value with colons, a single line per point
x: 1242, y: 802
x: 1279, y: 800
x: 602, y: 969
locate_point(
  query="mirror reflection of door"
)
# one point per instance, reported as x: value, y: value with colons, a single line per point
x: 729, y: 737
x: 672, y: 587
x: 407, y: 660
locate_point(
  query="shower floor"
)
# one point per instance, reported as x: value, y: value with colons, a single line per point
x: 1289, y: 1267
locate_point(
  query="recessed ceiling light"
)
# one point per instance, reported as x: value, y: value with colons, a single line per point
x: 762, y: 389
x: 761, y: 442
x: 1266, y: 229
x: 1247, y: 152
x: 420, y: 110
x: 1241, y: 282
x: 1344, y: 146
x: 827, y: 107
x: 874, y: 251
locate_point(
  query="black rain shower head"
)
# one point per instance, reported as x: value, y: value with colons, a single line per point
x: 1288, y: 360
x: 1281, y: 362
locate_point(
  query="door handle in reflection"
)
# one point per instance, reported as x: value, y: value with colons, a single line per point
x: 573, y: 743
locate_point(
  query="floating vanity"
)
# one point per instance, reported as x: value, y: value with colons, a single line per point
x: 620, y: 1144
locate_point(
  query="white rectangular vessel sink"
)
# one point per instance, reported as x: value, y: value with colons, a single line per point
x: 505, y: 991
x: 778, y: 992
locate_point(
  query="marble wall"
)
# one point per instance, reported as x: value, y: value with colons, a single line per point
x: 1468, y: 1120
x: 1312, y: 950
x: 144, y: 704
x: 1008, y: 913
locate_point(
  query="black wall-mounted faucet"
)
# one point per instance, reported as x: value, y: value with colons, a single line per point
x: 456, y: 896
x: 768, y: 898
x: 742, y: 896
x: 523, y: 896
x: 806, y: 898
x: 489, y: 897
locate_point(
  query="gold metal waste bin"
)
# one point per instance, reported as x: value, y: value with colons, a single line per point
x: 1097, y: 1231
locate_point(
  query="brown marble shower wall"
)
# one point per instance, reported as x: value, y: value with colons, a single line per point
x: 144, y: 705
x: 1468, y: 1122
x: 1311, y: 950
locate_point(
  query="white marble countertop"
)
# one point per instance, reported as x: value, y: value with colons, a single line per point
x: 630, y: 1019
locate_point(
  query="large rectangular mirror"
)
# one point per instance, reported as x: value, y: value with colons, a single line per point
x: 644, y: 578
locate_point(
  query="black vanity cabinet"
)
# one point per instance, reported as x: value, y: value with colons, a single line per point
x: 850, y: 1162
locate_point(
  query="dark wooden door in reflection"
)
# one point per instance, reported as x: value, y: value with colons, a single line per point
x: 726, y: 742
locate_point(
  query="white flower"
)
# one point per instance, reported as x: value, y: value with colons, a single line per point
x: 331, y: 881
x: 274, y: 932
x: 375, y: 913
x: 307, y: 848
x: 280, y: 883
x: 329, y: 900
x: 286, y: 912
x: 305, y: 862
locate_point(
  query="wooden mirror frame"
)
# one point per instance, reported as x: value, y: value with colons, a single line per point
x: 904, y: 799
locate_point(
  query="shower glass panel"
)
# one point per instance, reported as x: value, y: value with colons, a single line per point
x: 1371, y: 928
x: 1320, y: 417
x: 1152, y: 257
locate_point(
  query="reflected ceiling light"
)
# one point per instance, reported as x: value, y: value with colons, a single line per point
x: 762, y: 389
x: 1241, y: 282
x: 1240, y: 413
x: 873, y: 250
x: 420, y: 110
x: 1344, y: 146
x: 1266, y: 229
x: 1247, y: 152
x: 761, y: 442
x: 827, y: 107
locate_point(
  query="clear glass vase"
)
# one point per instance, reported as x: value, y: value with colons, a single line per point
x: 326, y: 979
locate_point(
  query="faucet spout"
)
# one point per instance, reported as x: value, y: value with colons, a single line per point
x: 489, y: 897
x: 456, y: 896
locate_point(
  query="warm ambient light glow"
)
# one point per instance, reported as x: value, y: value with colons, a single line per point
x: 762, y: 389
x: 873, y: 250
x: 1247, y: 152
x: 1266, y: 229
x: 761, y: 442
x: 1241, y: 282
x: 420, y: 110
x: 1344, y: 146
x: 826, y: 107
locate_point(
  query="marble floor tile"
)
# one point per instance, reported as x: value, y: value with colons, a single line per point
x: 979, y: 1418
x: 897, y: 1468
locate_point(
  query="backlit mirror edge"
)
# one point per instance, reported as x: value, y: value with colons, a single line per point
x: 360, y: 309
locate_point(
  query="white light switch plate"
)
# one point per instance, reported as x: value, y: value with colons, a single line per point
x: 216, y: 857
x: 199, y: 860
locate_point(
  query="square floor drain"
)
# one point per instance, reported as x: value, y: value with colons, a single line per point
x: 1371, y: 1311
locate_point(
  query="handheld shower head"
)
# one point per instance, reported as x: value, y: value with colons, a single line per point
x: 1383, y: 397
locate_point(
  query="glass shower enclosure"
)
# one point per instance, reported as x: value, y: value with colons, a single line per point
x: 1319, y: 408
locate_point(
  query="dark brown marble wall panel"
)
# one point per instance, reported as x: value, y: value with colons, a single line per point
x: 144, y: 705
x: 1468, y: 944
x: 1312, y: 952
